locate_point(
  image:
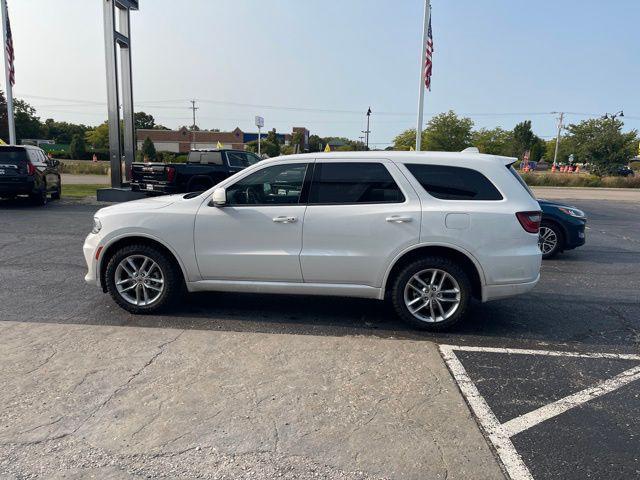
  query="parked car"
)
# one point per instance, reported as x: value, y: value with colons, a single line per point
x: 625, y: 171
x: 562, y: 228
x: 427, y: 230
x: 26, y: 170
x: 204, y: 168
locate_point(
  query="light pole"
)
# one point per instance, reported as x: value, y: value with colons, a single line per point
x: 613, y: 116
x: 367, y: 131
x: 555, y: 154
x: 259, y: 124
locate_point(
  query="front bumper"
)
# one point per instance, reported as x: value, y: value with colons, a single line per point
x: 91, y: 245
x: 575, y: 234
x: 496, y: 292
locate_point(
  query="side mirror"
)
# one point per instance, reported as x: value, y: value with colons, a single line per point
x: 219, y: 197
x: 55, y: 162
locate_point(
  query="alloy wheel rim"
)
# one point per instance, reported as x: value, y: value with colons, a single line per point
x: 139, y: 280
x: 547, y: 240
x: 432, y: 295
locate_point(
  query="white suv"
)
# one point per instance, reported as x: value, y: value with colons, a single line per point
x: 426, y: 230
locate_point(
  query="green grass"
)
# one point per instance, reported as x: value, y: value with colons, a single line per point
x: 84, y: 167
x: 80, y: 191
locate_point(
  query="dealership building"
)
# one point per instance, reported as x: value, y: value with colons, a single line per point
x: 183, y: 140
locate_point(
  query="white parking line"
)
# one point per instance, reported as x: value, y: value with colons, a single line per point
x: 500, y: 434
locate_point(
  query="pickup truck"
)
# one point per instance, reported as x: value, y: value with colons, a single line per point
x: 203, y: 169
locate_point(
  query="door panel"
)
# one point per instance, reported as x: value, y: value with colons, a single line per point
x: 258, y: 234
x: 354, y: 243
x: 245, y: 243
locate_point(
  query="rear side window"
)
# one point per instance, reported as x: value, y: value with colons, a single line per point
x: 454, y: 183
x: 521, y: 181
x: 211, y: 158
x: 340, y: 183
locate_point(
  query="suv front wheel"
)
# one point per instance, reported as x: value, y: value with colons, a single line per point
x: 141, y: 279
x: 431, y: 293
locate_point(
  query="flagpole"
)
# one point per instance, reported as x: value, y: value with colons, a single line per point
x: 9, y: 87
x: 425, y: 26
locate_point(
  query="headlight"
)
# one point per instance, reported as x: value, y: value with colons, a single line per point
x: 574, y: 212
x: 96, y: 225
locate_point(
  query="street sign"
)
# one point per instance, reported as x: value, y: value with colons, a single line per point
x: 259, y: 122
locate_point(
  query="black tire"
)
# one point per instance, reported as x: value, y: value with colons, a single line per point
x: 426, y: 263
x: 173, y: 285
x: 57, y: 194
x: 559, y: 242
x: 40, y: 197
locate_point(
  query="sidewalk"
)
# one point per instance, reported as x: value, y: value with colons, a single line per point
x: 107, y: 401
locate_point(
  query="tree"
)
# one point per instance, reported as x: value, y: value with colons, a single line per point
x: 62, y: 132
x: 601, y: 143
x: 538, y: 149
x: 315, y: 143
x: 4, y: 122
x: 523, y: 138
x: 98, y: 137
x: 297, y: 142
x: 27, y: 124
x: 448, y: 133
x: 148, y: 150
x: 143, y: 120
x: 495, y: 141
x: 406, y: 140
x: 78, y: 146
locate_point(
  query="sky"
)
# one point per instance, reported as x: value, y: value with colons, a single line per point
x: 322, y: 63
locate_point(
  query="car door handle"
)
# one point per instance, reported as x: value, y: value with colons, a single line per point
x: 284, y: 219
x: 399, y: 219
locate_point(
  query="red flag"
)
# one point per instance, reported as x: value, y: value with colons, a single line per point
x: 8, y: 45
x: 428, y: 61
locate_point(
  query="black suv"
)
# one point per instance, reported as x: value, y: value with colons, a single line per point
x: 26, y: 170
x: 204, y: 169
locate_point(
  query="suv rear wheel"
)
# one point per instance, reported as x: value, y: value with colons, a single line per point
x: 431, y: 293
x: 141, y: 279
x: 39, y: 197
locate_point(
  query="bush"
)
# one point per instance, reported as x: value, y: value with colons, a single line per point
x: 578, y: 180
x: 635, y: 166
x: 181, y: 159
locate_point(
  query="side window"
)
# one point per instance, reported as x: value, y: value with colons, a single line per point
x: 276, y: 185
x: 454, y: 183
x: 335, y: 183
x: 252, y: 158
x: 34, y: 157
x: 211, y: 158
x: 237, y: 159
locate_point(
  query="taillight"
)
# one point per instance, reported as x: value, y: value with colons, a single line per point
x: 31, y: 170
x: 530, y: 221
x: 171, y: 174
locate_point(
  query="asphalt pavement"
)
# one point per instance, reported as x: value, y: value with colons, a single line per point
x: 587, y: 303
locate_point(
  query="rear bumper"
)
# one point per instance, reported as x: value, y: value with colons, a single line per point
x: 496, y: 292
x: 153, y: 188
x: 17, y: 188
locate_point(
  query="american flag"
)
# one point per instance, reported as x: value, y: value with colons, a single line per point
x: 428, y: 61
x: 10, y: 54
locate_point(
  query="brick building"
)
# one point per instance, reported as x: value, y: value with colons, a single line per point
x: 183, y: 140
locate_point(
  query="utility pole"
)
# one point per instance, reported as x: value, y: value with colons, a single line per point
x: 194, y: 108
x: 367, y: 131
x: 555, y: 155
